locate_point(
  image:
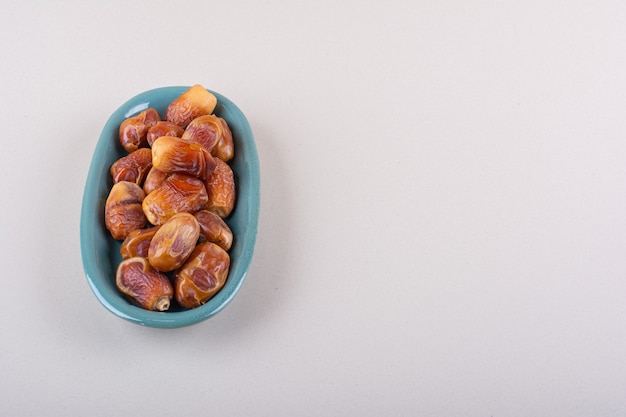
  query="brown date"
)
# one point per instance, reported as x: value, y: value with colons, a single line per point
x: 134, y: 130
x: 202, y: 276
x: 172, y: 155
x: 220, y: 187
x: 137, y: 243
x: 143, y: 284
x: 123, y: 211
x: 225, y: 147
x: 163, y: 128
x: 195, y: 101
x: 153, y: 180
x: 214, y: 229
x: 207, y: 130
x: 173, y: 242
x: 133, y: 167
x: 178, y: 193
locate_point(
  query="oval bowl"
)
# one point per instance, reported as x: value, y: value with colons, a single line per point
x: 101, y: 253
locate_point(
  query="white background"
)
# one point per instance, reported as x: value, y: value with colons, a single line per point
x: 443, y: 220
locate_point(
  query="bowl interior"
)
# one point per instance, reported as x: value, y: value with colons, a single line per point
x: 100, y: 252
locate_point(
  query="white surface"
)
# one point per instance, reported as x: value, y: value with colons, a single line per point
x: 443, y: 228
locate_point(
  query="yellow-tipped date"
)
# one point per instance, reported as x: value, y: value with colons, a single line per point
x: 194, y: 102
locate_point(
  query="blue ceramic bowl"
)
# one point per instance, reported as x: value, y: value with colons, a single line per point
x: 100, y: 252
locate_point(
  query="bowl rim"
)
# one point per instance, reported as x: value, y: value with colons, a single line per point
x: 115, y: 302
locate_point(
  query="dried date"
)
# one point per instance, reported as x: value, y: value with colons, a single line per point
x: 202, y: 276
x: 133, y: 167
x: 195, y: 101
x: 153, y: 180
x: 134, y: 130
x: 220, y: 187
x: 137, y: 242
x: 214, y: 229
x: 225, y: 147
x: 163, y: 128
x: 173, y: 242
x: 143, y: 284
x: 175, y: 155
x: 178, y: 193
x: 123, y: 211
x: 207, y: 130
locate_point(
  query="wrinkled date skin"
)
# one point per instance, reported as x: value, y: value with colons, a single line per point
x: 178, y: 193
x: 202, y: 276
x: 153, y: 180
x: 175, y: 155
x: 214, y: 229
x: 133, y: 167
x: 173, y: 242
x: 207, y: 130
x: 163, y: 128
x: 220, y: 188
x: 123, y: 210
x: 225, y: 147
x: 137, y: 242
x: 143, y: 284
x: 134, y: 130
x: 194, y: 102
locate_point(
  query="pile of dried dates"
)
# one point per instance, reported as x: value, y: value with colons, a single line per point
x: 170, y: 196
